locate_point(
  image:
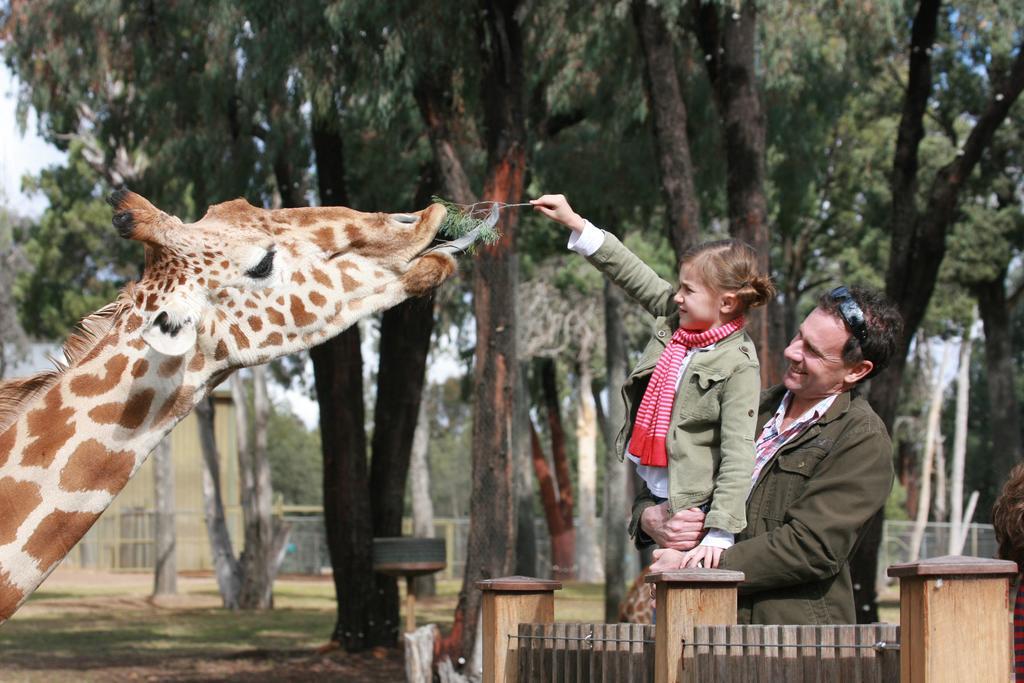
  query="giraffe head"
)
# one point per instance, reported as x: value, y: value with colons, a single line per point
x: 244, y: 285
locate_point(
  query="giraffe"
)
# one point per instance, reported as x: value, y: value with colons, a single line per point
x: 635, y: 607
x: 239, y: 287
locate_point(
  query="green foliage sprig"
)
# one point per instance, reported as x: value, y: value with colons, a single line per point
x: 462, y: 219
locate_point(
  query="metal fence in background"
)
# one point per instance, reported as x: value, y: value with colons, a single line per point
x: 124, y: 541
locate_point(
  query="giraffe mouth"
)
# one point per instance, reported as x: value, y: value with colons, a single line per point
x: 456, y: 246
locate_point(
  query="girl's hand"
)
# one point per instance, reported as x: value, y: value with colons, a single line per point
x: 556, y: 207
x: 706, y: 556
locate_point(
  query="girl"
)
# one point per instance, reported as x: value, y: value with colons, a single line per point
x: 691, y: 401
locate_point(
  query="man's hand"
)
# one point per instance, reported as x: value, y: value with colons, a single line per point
x: 681, y: 531
x: 556, y: 207
x: 665, y: 560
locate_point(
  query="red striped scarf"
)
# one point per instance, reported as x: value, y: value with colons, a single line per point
x: 655, y: 412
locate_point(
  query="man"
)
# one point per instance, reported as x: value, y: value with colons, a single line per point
x: 823, y: 468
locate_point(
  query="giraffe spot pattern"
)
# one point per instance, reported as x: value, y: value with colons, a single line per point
x: 197, y: 363
x: 300, y: 315
x: 134, y: 322
x: 140, y: 368
x: 221, y: 352
x: 94, y: 385
x: 321, y: 278
x: 57, y: 534
x: 51, y: 426
x: 256, y: 323
x: 170, y: 366
x: 7, y: 440
x: 138, y: 343
x: 273, y: 339
x: 95, y: 467
x: 130, y: 414
x: 317, y: 299
x: 298, y: 278
x: 276, y: 317
x: 241, y: 340
x: 10, y: 596
x: 176, y: 405
x: 17, y: 501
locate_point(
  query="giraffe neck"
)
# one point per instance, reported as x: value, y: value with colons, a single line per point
x: 77, y: 444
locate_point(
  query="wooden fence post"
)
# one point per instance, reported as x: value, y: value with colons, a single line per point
x: 508, y: 602
x: 688, y: 598
x: 955, y: 619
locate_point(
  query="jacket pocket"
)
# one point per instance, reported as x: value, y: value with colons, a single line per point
x: 794, y: 471
x: 700, y: 396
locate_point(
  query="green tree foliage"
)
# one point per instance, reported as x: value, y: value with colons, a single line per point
x: 295, y: 461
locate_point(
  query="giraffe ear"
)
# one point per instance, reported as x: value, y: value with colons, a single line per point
x: 170, y: 338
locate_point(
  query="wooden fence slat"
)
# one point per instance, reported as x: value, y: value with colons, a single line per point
x: 829, y: 663
x: 891, y: 633
x: 791, y: 668
x: 810, y: 657
x: 752, y: 654
x: 736, y: 636
x: 846, y: 656
x: 523, y: 653
x: 867, y: 636
x: 572, y: 664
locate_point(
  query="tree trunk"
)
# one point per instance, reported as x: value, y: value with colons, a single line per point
x: 348, y: 513
x: 405, y: 333
x: 526, y: 532
x: 668, y: 111
x: 165, y: 574
x: 563, y: 536
x: 338, y: 372
x: 258, y: 562
x: 419, y: 491
x: 224, y: 564
x: 729, y: 43
x: 931, y: 440
x: 956, y: 489
x: 560, y: 531
x: 589, y: 567
x: 491, y: 542
x: 1004, y: 417
x: 616, y: 472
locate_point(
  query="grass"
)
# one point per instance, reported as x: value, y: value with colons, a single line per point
x: 89, y: 626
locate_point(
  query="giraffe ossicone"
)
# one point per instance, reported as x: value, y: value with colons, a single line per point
x: 239, y: 287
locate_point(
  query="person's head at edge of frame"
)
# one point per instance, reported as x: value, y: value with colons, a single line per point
x: 719, y: 281
x: 850, y: 337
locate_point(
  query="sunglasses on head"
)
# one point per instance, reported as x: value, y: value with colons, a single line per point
x: 851, y: 313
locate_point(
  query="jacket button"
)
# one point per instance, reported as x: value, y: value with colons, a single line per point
x: 750, y: 413
x: 661, y: 334
x: 744, y: 349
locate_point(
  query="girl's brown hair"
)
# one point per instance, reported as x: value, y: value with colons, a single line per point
x: 730, y: 266
x: 1008, y: 517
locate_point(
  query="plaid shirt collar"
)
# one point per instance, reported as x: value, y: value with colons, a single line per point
x: 772, y: 437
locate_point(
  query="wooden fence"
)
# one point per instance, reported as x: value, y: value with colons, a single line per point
x: 954, y: 627
x: 625, y: 653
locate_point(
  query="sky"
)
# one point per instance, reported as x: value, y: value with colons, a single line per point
x: 20, y: 154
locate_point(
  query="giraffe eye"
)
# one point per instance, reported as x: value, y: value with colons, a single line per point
x: 262, y: 269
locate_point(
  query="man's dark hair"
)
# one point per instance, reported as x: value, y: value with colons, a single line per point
x: 883, y: 328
